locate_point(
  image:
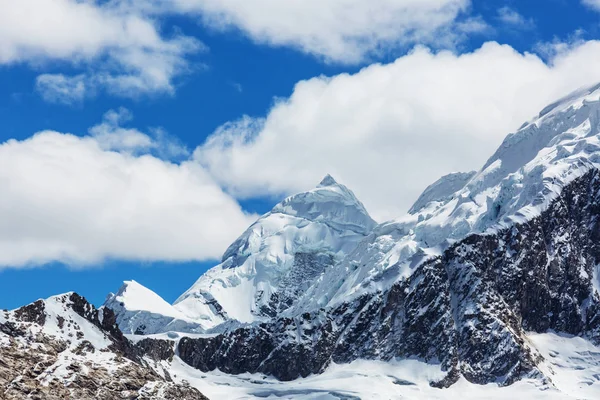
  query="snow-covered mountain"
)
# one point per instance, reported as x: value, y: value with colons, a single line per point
x: 267, y: 268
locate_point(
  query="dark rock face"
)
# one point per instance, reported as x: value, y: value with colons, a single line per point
x: 106, y: 321
x: 467, y: 310
x: 22, y: 369
x: 11, y: 329
x: 33, y: 313
x: 156, y: 349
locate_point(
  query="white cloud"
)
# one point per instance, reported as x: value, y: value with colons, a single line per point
x: 512, y: 17
x: 391, y: 130
x: 123, y: 50
x: 561, y: 46
x: 337, y: 30
x: 117, y: 45
x: 70, y: 199
x: 58, y: 88
x: 595, y: 4
x: 111, y: 136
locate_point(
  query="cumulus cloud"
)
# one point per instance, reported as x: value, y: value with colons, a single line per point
x: 123, y: 51
x: 111, y: 136
x: 390, y: 130
x: 561, y: 46
x: 80, y: 200
x: 336, y: 30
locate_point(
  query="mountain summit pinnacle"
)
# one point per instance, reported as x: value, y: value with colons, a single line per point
x: 328, y: 181
x: 271, y: 264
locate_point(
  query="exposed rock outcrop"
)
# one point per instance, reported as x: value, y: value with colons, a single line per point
x: 64, y: 348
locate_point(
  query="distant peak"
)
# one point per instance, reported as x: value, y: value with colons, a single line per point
x: 328, y: 181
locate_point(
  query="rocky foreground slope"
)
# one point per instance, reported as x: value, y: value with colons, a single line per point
x: 64, y: 348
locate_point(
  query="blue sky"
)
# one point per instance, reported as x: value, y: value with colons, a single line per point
x: 219, y: 111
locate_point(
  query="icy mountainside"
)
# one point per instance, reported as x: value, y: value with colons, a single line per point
x: 520, y: 180
x: 64, y: 348
x: 140, y: 311
x: 279, y: 256
x: 37, y: 361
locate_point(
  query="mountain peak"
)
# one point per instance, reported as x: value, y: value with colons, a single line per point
x: 139, y: 310
x: 136, y: 297
x: 331, y: 203
x: 279, y: 256
x: 327, y: 181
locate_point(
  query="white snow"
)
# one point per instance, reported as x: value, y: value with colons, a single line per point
x: 139, y: 298
x: 442, y: 190
x: 518, y: 182
x: 572, y: 363
x: 64, y: 324
x: 59, y: 307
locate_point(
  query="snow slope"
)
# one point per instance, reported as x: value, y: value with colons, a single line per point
x: 140, y: 310
x: 278, y: 257
x: 519, y: 181
x: 442, y: 190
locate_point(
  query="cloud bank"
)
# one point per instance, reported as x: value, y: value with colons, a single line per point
x: 81, y: 200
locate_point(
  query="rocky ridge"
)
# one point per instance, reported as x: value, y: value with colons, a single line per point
x: 64, y: 348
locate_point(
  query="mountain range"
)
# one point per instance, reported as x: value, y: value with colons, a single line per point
x: 489, y: 285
